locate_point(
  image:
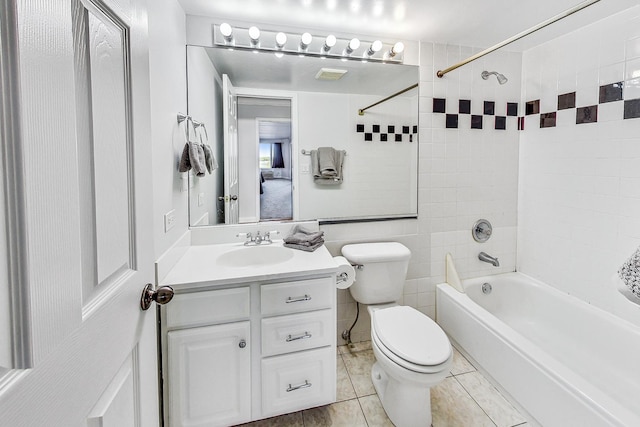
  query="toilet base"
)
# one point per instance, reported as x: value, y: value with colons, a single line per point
x: 406, y: 405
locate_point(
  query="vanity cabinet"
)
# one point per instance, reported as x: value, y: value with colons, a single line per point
x: 297, y: 331
x: 250, y: 351
x: 210, y: 375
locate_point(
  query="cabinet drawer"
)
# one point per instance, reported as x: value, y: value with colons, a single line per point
x: 298, y: 381
x: 294, y: 297
x: 296, y: 332
x: 200, y: 308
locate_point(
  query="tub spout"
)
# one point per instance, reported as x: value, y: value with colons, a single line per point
x: 482, y: 256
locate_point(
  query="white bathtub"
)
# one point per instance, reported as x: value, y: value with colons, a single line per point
x: 564, y: 361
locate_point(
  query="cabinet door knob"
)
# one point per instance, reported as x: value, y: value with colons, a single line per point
x: 242, y: 344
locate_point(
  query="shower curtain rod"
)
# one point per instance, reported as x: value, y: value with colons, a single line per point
x: 361, y: 111
x: 518, y: 36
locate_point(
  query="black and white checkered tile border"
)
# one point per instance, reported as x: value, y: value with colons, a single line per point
x: 393, y: 133
x: 612, y: 92
x: 464, y: 107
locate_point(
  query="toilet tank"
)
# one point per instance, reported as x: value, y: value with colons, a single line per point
x: 383, y: 272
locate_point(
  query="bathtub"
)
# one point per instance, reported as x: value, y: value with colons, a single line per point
x: 562, y: 360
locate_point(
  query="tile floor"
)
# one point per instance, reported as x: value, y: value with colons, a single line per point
x: 464, y: 399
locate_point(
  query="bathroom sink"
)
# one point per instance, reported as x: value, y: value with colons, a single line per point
x: 255, y: 256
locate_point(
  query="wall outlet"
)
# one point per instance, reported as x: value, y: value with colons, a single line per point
x: 200, y: 199
x: 169, y: 220
x: 304, y: 168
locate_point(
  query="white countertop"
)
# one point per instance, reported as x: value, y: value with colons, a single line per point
x: 198, y: 267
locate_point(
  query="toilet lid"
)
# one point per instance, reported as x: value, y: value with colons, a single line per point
x: 411, y: 335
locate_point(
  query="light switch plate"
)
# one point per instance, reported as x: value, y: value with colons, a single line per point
x: 200, y: 199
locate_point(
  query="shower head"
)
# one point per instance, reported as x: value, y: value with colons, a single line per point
x: 501, y: 78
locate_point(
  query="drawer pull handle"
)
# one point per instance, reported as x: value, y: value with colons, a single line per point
x: 299, y: 337
x: 306, y: 384
x: 298, y: 299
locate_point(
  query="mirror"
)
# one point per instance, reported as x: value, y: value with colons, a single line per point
x: 263, y: 115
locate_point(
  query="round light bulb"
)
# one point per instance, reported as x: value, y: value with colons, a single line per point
x: 254, y: 33
x: 306, y: 39
x: 398, y: 48
x: 330, y: 40
x: 354, y: 44
x: 226, y: 30
x: 375, y: 47
x: 281, y: 39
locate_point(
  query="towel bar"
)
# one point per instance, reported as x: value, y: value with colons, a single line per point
x: 308, y: 153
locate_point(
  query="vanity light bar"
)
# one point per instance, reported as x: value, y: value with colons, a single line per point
x: 306, y: 44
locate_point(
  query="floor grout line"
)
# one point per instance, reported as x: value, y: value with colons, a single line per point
x: 475, y: 401
x: 363, y: 414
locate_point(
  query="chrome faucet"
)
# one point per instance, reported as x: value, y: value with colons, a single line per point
x: 482, y: 256
x: 258, y: 239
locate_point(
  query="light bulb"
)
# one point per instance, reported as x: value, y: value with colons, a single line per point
x: 281, y: 40
x: 396, y: 49
x: 226, y: 31
x: 254, y: 34
x: 353, y: 45
x: 329, y: 42
x: 305, y: 41
x: 375, y: 47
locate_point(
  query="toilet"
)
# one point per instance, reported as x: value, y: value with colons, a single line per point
x: 412, y: 352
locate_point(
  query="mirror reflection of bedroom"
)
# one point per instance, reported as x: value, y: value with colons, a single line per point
x: 275, y: 169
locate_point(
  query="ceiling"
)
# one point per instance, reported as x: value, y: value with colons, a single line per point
x: 478, y: 23
x: 294, y: 73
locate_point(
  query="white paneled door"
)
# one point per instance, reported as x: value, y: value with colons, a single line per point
x: 77, y: 184
x: 230, y: 124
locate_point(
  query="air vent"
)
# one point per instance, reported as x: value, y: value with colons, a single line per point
x: 330, y: 74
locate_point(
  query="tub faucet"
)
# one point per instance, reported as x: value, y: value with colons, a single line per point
x: 482, y: 256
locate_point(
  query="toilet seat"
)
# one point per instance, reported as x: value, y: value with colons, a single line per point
x: 410, y: 339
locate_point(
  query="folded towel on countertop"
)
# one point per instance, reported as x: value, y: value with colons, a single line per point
x: 303, y: 239
x: 301, y: 236
x: 303, y: 247
x: 629, y: 273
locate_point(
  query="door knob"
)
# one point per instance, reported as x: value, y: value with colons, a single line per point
x: 162, y: 295
x: 234, y: 197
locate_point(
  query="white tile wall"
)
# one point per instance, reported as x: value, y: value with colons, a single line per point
x: 579, y: 197
x: 464, y: 175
